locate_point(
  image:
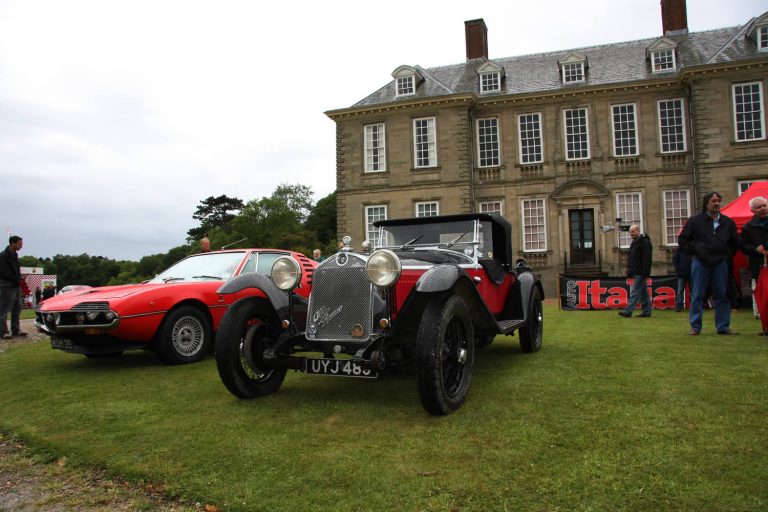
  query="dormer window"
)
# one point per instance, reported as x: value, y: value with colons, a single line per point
x: 407, y: 79
x: 762, y: 38
x: 490, y: 75
x: 662, y: 54
x: 663, y: 60
x: 573, y: 68
x: 405, y: 86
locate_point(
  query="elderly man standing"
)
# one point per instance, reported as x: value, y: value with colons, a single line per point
x: 753, y: 240
x: 10, y: 280
x: 639, y: 268
x: 711, y: 239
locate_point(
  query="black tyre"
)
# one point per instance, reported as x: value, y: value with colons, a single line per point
x: 246, y: 330
x: 445, y: 352
x: 532, y: 333
x: 185, y: 336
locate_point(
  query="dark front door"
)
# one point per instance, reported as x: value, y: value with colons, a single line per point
x: 582, y: 236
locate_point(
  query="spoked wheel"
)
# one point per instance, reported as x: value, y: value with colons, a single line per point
x: 446, y: 350
x: 532, y: 333
x: 184, y: 337
x: 246, y: 330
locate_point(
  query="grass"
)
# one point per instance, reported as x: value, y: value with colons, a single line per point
x: 612, y: 414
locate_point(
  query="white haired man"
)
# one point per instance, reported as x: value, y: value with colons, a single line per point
x: 753, y: 240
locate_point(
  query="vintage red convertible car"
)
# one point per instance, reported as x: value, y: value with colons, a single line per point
x: 175, y: 314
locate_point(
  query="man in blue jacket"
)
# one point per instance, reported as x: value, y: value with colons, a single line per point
x: 639, y: 268
x: 711, y: 239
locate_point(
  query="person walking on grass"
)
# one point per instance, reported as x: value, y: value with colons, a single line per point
x: 10, y: 288
x: 753, y: 241
x: 639, y: 269
x: 711, y: 239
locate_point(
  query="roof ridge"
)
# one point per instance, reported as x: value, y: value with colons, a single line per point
x: 731, y: 40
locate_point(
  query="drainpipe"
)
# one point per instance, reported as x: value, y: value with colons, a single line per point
x: 694, y: 140
x: 470, y: 118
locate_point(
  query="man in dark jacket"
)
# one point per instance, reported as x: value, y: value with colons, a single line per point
x: 639, y: 268
x: 711, y: 239
x: 753, y: 240
x: 10, y: 281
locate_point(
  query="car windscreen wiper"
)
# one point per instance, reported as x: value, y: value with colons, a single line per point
x: 450, y: 244
x: 206, y: 277
x: 167, y: 279
x: 409, y: 242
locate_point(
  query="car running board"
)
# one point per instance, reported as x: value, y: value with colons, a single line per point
x: 507, y: 326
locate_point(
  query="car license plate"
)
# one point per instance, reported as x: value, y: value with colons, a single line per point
x: 61, y: 343
x: 339, y: 368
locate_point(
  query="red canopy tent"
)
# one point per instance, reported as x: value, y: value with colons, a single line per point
x: 739, y: 211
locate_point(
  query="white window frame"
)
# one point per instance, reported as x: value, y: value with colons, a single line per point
x: 762, y: 38
x: 663, y: 60
x: 405, y: 85
x: 743, y: 185
x: 530, y: 132
x: 375, y: 147
x: 624, y: 130
x: 671, y: 134
x: 573, y: 72
x: 488, y: 144
x: 677, y: 202
x: 373, y: 213
x: 537, y: 230
x: 491, y: 207
x: 585, y: 134
x: 424, y: 142
x: 490, y: 82
x: 637, y: 216
x: 756, y: 117
x: 426, y: 208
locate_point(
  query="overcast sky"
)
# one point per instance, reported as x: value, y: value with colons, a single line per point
x: 118, y: 117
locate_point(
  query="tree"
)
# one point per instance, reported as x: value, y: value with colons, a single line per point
x: 214, y: 212
x: 321, y: 221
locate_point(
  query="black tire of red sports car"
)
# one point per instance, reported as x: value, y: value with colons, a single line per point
x: 532, y: 333
x: 245, y: 331
x: 184, y: 337
x: 444, y: 356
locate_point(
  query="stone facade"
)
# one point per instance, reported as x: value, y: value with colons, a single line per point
x: 579, y: 196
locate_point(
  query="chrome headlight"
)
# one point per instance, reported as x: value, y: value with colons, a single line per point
x: 92, y: 315
x: 383, y: 268
x: 286, y: 273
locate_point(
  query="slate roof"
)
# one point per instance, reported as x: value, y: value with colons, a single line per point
x: 606, y: 65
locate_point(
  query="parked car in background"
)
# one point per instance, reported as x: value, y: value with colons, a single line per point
x: 432, y: 290
x: 175, y: 314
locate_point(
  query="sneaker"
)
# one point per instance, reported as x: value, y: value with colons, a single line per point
x: 728, y: 331
x: 693, y: 332
x: 20, y: 334
x: 6, y: 336
x: 625, y: 314
x: 645, y: 315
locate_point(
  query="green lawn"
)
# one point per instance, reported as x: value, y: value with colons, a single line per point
x: 612, y: 414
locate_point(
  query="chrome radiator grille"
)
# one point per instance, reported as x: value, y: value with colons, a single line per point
x: 340, y: 303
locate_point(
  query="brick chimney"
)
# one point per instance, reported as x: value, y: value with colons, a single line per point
x: 673, y: 17
x: 477, y: 39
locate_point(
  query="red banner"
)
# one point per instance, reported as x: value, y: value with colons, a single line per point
x: 613, y: 293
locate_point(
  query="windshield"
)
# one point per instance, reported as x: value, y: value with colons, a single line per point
x: 201, y: 267
x: 459, y: 236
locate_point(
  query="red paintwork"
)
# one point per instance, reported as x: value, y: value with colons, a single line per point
x: 142, y: 307
x: 494, y: 295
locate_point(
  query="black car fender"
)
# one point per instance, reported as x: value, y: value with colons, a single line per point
x: 277, y: 297
x: 526, y: 282
x: 442, y: 279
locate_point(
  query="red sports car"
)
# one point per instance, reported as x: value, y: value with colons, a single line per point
x: 174, y: 315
